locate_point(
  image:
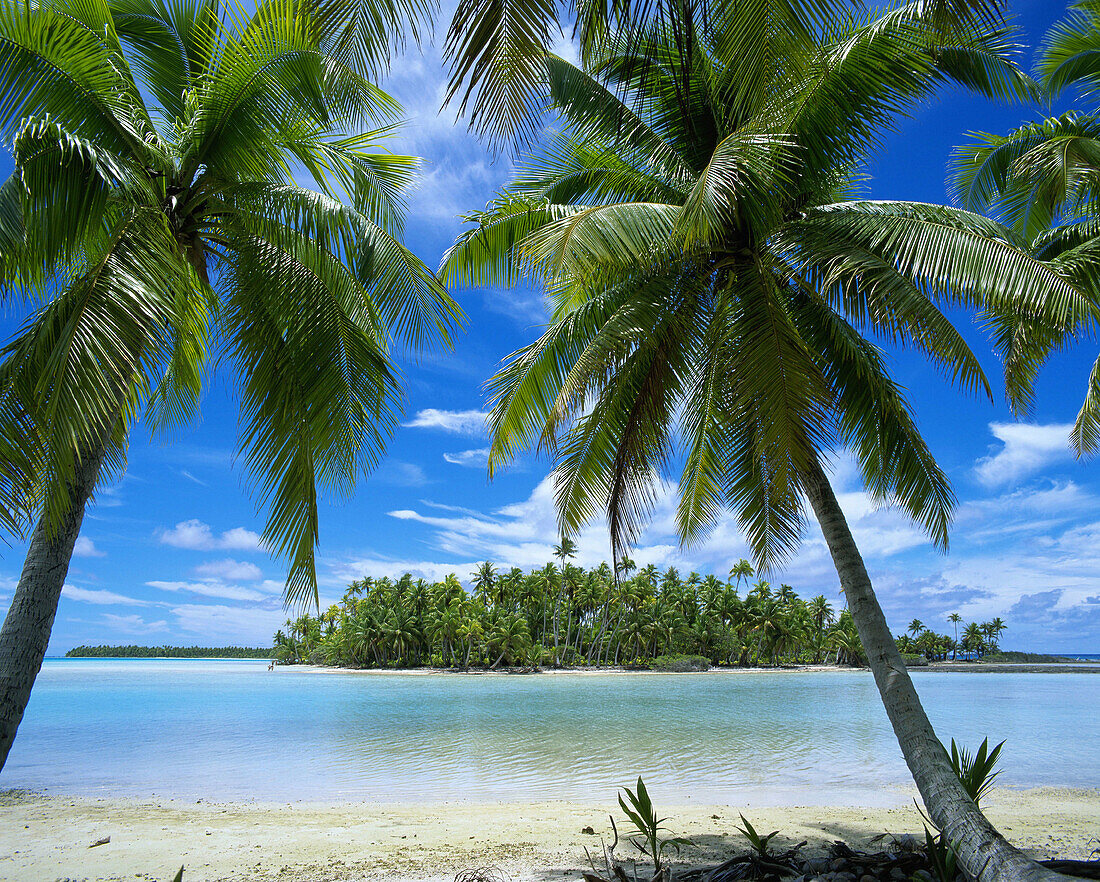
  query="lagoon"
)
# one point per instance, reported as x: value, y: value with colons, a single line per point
x: 231, y: 730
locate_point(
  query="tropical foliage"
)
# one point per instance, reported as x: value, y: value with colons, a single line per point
x: 155, y: 225
x: 169, y: 652
x: 508, y: 619
x: 1044, y: 181
x: 977, y: 640
x: 717, y: 289
x: 153, y: 212
x: 646, y: 618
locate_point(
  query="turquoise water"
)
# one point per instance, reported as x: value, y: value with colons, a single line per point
x: 232, y: 730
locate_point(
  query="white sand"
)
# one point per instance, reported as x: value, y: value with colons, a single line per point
x: 48, y: 837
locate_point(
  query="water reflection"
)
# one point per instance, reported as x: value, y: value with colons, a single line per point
x: 231, y: 730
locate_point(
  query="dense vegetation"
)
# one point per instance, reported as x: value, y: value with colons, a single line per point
x: 169, y: 652
x: 974, y: 640
x: 567, y: 615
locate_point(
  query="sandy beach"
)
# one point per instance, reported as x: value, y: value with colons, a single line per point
x: 51, y: 837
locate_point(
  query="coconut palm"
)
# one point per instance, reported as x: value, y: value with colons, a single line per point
x: 954, y: 619
x: 742, y: 570
x: 152, y: 210
x: 710, y: 277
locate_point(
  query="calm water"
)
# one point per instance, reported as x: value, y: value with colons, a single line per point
x: 231, y: 730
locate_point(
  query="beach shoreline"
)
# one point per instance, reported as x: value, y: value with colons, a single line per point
x: 51, y: 836
x: 933, y: 667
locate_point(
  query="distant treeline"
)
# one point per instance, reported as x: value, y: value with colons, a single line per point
x: 169, y: 652
x: 565, y: 615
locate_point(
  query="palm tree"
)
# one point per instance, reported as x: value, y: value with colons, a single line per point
x: 954, y: 619
x: 565, y: 550
x: 710, y: 277
x: 741, y: 570
x: 484, y: 580
x: 973, y: 639
x: 996, y: 628
x: 510, y: 636
x: 915, y: 627
x: 152, y: 208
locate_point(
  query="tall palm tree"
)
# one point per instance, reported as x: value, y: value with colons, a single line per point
x: 564, y: 551
x: 742, y: 570
x: 954, y: 619
x: 152, y: 210
x: 710, y: 278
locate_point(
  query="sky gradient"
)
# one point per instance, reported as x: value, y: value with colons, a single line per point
x: 171, y: 553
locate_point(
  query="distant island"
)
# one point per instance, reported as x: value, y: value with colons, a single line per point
x: 169, y: 652
x: 565, y: 616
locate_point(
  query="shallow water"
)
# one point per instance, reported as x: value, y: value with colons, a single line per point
x: 232, y: 730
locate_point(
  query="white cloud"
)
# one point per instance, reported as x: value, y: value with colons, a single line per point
x: 457, y: 422
x: 133, y: 624
x: 98, y: 596
x: 85, y: 547
x: 211, y: 588
x: 242, y: 625
x: 375, y: 567
x: 194, y: 534
x: 230, y: 569
x: 474, y: 459
x: 1028, y: 448
x: 191, y: 477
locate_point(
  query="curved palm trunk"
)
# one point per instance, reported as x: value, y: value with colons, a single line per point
x: 983, y: 852
x: 26, y: 631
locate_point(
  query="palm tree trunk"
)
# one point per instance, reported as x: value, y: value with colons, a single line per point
x: 984, y: 853
x: 27, y: 626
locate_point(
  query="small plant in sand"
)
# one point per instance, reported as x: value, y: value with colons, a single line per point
x: 976, y: 772
x: 649, y: 838
x: 759, y: 843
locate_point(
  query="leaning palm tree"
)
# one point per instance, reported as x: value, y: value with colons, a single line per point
x: 1043, y: 180
x: 153, y: 210
x: 712, y: 280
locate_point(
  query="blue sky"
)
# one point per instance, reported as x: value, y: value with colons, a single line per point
x: 171, y: 554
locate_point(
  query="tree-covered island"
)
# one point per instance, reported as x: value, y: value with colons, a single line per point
x: 566, y: 615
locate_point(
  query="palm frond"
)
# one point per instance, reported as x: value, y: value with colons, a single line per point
x: 497, y: 51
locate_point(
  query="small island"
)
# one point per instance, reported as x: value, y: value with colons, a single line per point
x: 566, y: 616
x: 169, y: 652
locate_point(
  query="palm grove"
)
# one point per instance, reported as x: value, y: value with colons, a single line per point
x: 718, y: 293
x: 563, y: 614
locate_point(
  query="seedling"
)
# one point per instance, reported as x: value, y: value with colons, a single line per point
x: 759, y: 843
x: 648, y: 839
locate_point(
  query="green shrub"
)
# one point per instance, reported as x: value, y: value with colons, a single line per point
x: 681, y: 663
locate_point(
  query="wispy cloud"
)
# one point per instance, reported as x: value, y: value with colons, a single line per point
x: 196, y: 535
x: 218, y: 623
x: 1027, y: 448
x: 99, y: 596
x: 472, y: 459
x: 457, y: 422
x: 133, y: 624
x: 400, y: 474
x: 230, y: 569
x: 85, y: 547
x: 211, y: 588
